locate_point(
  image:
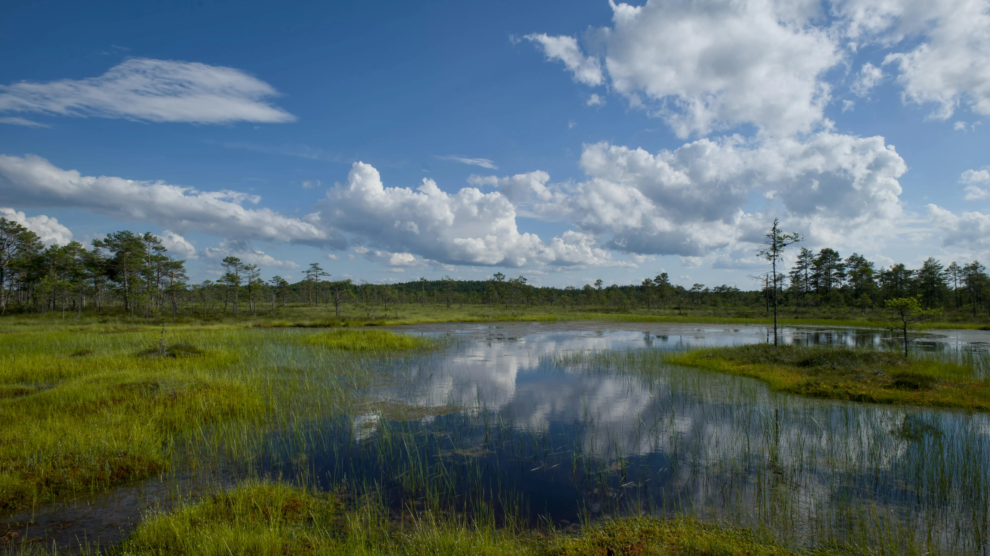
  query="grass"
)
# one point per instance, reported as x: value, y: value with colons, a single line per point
x: 84, y: 410
x: 94, y: 405
x: 268, y: 518
x: 369, y: 340
x: 308, y: 316
x: 849, y: 374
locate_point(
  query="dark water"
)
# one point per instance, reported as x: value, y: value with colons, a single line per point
x: 508, y: 417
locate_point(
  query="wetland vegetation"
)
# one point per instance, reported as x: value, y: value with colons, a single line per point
x: 540, y: 438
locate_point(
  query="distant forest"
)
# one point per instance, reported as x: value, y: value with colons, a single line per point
x: 134, y: 273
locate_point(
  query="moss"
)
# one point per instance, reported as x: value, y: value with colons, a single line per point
x: 849, y: 374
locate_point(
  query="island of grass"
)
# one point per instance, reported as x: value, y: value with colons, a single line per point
x: 860, y: 375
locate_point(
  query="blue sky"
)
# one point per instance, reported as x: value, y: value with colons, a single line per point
x: 562, y: 141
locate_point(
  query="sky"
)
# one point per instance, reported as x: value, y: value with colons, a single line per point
x: 561, y: 141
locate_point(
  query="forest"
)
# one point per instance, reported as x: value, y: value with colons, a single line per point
x: 135, y: 274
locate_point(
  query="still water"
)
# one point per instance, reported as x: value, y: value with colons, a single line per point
x: 542, y: 423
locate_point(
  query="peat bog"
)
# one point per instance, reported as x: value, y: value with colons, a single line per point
x: 510, y: 438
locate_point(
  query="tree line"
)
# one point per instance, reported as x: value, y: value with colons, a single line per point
x: 135, y: 274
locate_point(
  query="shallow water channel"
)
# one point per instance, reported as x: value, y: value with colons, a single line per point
x: 550, y: 424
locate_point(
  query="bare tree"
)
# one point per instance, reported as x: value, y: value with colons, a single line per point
x: 773, y: 252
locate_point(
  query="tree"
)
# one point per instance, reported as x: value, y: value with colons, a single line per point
x: 175, y: 271
x: 773, y: 252
x: 954, y: 274
x: 800, y: 275
x: 339, y: 289
x: 861, y: 278
x: 663, y: 287
x: 125, y: 264
x: 231, y: 279
x: 254, y: 284
x: 908, y: 311
x: 280, y: 287
x: 828, y: 272
x: 422, y: 291
x: 17, y: 243
x: 931, y: 280
x: 975, y: 277
x: 448, y: 287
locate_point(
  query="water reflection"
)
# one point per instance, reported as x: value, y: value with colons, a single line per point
x: 514, y: 411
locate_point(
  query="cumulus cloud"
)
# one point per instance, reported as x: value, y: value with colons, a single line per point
x: 952, y: 65
x: 869, y: 77
x: 586, y: 69
x: 310, y: 184
x: 178, y: 245
x: 968, y: 230
x: 710, y: 65
x: 703, y: 66
x: 692, y: 201
x: 23, y: 122
x: 31, y: 181
x: 520, y: 188
x: 247, y: 254
x: 468, y: 227
x: 48, y: 229
x: 595, y: 100
x: 154, y: 91
x: 973, y: 180
x: 947, y: 61
x: 483, y: 162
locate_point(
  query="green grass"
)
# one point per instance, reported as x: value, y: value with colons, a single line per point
x: 266, y: 518
x: 87, y: 408
x: 849, y: 374
x: 369, y: 340
x: 304, y: 316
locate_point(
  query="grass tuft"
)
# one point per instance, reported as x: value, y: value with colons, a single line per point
x: 268, y: 518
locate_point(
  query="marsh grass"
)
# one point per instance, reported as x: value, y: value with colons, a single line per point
x: 860, y: 375
x: 370, y: 340
x: 271, y: 518
x: 83, y: 410
x: 441, y: 479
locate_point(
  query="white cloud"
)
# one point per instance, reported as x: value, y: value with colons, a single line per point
x: 586, y: 69
x: 48, y: 229
x: 520, y: 188
x: 848, y: 105
x: 959, y: 126
x: 692, y: 201
x: 155, y: 91
x: 968, y: 230
x: 310, y: 184
x: 711, y: 65
x: 869, y: 77
x: 22, y: 122
x: 953, y: 66
x: 973, y: 180
x: 465, y: 228
x: 332, y: 257
x: 974, y: 177
x: 178, y: 245
x: 31, y: 181
x: 595, y: 100
x: 483, y: 162
x: 247, y: 254
x: 948, y: 63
